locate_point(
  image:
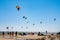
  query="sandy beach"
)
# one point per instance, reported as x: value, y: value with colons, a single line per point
x: 28, y: 37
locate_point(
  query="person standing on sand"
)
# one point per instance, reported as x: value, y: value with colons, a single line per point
x: 16, y: 34
x: 3, y: 34
x: 12, y: 34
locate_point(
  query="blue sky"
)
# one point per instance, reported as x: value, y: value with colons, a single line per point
x: 34, y: 10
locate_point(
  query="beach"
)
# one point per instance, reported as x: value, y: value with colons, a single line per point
x: 29, y: 37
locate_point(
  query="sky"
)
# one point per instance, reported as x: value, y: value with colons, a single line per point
x: 36, y: 11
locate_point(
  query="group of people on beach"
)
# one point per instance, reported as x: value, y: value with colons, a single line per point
x: 10, y: 33
x: 15, y: 34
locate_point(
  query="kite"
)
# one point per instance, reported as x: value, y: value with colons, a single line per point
x: 18, y: 8
x: 54, y: 19
x: 33, y: 24
x: 7, y: 27
x: 24, y: 17
x: 41, y: 22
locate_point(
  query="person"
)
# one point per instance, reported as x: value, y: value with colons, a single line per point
x: 16, y: 34
x: 30, y: 33
x: 8, y: 33
x: 3, y: 34
x: 39, y: 34
x: 12, y: 34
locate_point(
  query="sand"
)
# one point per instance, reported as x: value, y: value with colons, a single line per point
x: 25, y: 37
